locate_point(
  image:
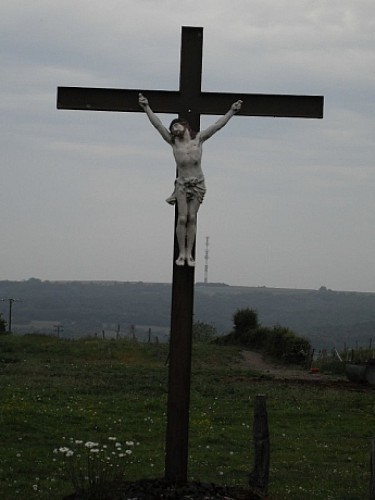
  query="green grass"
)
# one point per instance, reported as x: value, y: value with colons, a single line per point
x: 55, y: 391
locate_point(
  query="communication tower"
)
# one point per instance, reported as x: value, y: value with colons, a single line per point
x: 206, y: 261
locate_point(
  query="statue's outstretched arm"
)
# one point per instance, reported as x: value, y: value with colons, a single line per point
x: 215, y: 127
x: 164, y: 132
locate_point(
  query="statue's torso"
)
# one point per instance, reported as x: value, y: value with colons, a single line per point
x: 188, y: 155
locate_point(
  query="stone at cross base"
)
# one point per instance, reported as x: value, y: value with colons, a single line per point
x: 189, y: 188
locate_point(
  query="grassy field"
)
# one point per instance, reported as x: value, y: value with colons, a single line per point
x: 59, y: 394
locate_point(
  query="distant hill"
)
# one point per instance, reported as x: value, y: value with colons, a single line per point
x: 327, y: 318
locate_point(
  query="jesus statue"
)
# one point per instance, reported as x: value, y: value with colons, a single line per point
x: 190, y: 188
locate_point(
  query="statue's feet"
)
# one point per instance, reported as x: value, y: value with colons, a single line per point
x: 190, y: 261
x: 180, y: 261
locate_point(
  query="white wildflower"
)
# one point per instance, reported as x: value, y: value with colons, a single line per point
x: 64, y: 449
x: 91, y: 444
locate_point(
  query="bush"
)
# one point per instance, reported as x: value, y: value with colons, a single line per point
x: 278, y: 341
x: 288, y: 346
x: 245, y: 319
x: 203, y: 332
x: 3, y: 324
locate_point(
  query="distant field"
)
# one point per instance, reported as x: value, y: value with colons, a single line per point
x: 54, y: 392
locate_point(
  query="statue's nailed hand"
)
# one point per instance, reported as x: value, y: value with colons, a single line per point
x: 143, y: 101
x: 236, y: 106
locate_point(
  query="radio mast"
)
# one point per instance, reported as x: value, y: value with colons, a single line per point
x: 206, y: 261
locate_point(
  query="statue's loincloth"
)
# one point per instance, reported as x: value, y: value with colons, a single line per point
x: 191, y: 187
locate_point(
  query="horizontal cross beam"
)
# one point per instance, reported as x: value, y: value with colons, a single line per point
x: 207, y: 103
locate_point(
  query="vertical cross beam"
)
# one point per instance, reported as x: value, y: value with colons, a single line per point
x: 177, y: 436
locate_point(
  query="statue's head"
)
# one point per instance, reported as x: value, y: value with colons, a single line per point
x: 185, y: 124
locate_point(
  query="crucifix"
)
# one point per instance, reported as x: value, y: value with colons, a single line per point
x: 188, y: 102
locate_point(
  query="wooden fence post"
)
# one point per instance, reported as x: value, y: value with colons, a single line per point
x: 372, y: 462
x: 309, y: 359
x: 258, y: 477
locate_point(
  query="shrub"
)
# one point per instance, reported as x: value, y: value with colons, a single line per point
x: 283, y: 344
x: 278, y: 341
x: 3, y: 324
x: 245, y: 319
x: 203, y: 332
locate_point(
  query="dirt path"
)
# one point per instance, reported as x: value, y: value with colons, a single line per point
x: 255, y: 361
x: 295, y: 375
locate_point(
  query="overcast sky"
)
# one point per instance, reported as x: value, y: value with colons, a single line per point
x: 290, y: 202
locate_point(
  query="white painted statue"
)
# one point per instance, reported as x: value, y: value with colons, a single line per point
x: 189, y: 185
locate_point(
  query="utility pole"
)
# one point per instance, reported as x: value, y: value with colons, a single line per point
x: 10, y: 311
x: 58, y: 328
x: 206, y: 261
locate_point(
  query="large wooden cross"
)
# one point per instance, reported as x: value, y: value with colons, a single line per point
x: 188, y: 102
